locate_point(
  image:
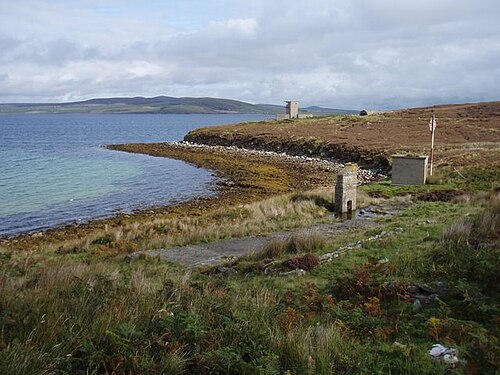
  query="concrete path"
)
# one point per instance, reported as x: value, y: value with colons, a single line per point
x: 216, y: 252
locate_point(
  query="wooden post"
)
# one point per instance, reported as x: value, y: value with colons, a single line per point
x: 433, y: 129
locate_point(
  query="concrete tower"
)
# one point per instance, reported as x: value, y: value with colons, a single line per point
x: 292, y: 109
x: 345, y: 190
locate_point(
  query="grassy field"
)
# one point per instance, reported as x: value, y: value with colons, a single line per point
x: 83, y: 307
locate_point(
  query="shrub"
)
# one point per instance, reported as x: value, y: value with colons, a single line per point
x: 306, y: 262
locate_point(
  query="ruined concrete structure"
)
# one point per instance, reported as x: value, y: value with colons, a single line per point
x: 292, y: 111
x: 409, y: 170
x: 346, y: 189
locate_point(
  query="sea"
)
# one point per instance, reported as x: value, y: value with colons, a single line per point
x: 55, y: 169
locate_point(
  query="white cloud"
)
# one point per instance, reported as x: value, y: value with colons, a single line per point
x: 141, y: 69
x: 370, y: 53
x: 244, y: 26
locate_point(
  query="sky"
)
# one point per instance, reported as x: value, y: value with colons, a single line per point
x: 372, y: 54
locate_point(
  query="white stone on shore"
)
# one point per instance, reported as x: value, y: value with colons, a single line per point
x: 364, y: 175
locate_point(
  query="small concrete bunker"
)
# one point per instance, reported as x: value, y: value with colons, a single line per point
x: 345, y: 189
x: 292, y: 112
x: 409, y: 170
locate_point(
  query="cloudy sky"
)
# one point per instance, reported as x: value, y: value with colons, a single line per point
x: 336, y: 53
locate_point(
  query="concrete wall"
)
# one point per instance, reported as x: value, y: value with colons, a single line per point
x: 409, y: 170
x: 346, y: 189
x: 281, y: 116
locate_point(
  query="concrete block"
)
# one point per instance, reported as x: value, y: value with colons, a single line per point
x: 409, y: 170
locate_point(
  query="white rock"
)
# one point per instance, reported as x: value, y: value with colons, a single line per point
x: 440, y: 352
x: 297, y: 272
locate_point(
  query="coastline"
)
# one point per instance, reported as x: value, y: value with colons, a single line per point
x: 249, y: 162
x: 242, y: 176
x: 101, y: 293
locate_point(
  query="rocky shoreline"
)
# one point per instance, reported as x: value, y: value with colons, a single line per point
x: 329, y: 164
x: 301, y: 147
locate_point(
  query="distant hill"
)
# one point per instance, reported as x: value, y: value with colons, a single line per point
x: 329, y: 111
x: 272, y: 108
x: 159, y: 104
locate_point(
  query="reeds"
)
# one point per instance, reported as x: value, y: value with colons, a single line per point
x: 306, y: 241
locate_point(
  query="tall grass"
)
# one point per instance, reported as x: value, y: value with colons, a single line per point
x: 83, y: 315
x: 303, y: 242
x: 57, y: 314
x: 90, y: 319
x: 276, y: 213
x: 316, y: 349
x: 471, y: 248
x: 466, y: 250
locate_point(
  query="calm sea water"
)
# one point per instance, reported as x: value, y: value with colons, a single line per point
x: 54, y: 170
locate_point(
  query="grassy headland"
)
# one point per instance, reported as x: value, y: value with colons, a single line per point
x: 467, y: 135
x: 72, y: 302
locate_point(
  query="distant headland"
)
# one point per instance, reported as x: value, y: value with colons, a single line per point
x: 160, y: 104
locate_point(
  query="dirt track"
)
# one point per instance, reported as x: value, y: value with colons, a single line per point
x: 220, y: 251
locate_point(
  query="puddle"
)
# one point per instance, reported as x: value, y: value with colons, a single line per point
x: 374, y: 211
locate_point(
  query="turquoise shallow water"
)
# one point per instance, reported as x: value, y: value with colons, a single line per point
x: 54, y: 169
